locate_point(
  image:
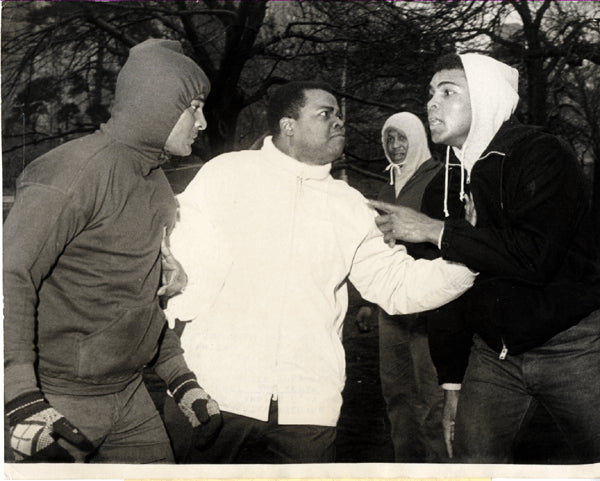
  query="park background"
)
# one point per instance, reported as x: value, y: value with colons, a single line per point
x: 60, y: 61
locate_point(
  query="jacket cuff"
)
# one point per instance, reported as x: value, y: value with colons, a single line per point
x: 24, y: 406
x: 182, y: 384
x: 445, y: 239
x: 451, y: 386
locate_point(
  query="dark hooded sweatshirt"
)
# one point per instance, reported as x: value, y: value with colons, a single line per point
x: 82, y: 242
x: 532, y: 246
x: 532, y: 243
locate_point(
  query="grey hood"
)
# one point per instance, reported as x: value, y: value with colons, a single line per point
x: 156, y: 84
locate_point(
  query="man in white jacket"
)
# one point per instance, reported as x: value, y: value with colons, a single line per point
x: 269, y: 239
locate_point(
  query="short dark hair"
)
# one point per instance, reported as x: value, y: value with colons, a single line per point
x: 288, y: 100
x: 449, y: 61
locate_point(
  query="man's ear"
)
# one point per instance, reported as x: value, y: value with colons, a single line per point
x: 286, y: 126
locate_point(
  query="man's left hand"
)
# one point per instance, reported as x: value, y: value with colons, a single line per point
x: 470, y: 211
x: 405, y: 224
x: 200, y: 409
x: 174, y: 278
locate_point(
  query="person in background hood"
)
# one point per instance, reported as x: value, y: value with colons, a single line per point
x: 276, y: 240
x: 534, y: 309
x: 82, y: 277
x: 408, y: 379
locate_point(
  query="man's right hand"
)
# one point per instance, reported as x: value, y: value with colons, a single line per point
x: 448, y: 417
x: 405, y: 224
x: 36, y: 427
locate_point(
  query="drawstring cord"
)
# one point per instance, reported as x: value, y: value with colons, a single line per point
x: 447, y: 167
x: 393, y: 167
x: 462, y: 195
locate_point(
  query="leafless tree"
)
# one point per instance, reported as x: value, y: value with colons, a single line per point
x: 60, y: 60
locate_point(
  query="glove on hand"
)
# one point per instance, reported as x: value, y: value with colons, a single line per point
x: 35, y: 427
x: 201, y: 410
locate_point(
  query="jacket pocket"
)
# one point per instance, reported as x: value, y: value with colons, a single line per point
x: 122, y: 347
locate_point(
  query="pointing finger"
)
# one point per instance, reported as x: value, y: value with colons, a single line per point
x: 382, y: 206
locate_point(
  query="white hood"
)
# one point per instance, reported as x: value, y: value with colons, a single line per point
x: 493, y: 90
x: 418, y: 149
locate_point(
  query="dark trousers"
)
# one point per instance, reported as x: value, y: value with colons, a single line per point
x: 247, y: 440
x: 124, y: 427
x: 496, y: 396
x: 413, y: 398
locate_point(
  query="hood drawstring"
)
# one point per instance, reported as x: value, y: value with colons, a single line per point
x: 462, y: 194
x: 397, y: 168
x: 447, y: 168
x: 446, y: 181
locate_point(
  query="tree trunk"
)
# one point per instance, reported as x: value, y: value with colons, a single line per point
x: 536, y: 91
x: 596, y: 203
x: 222, y: 121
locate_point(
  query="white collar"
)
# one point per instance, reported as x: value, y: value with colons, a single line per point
x: 299, y: 169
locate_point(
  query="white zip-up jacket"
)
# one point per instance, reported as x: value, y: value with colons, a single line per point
x: 268, y: 244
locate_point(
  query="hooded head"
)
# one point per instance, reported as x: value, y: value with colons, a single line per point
x: 471, y: 97
x: 415, y: 148
x: 489, y: 92
x: 156, y: 84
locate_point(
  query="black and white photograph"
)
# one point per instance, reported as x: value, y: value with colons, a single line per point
x: 301, y: 239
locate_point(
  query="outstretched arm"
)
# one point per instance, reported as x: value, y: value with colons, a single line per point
x: 399, y: 283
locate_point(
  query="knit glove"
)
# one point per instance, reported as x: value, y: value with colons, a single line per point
x: 201, y: 410
x: 35, y: 428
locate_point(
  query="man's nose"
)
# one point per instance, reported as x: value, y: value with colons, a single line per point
x: 432, y: 104
x: 199, y: 120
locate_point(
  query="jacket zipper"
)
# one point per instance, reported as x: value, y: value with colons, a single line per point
x: 297, y: 195
x: 504, y: 351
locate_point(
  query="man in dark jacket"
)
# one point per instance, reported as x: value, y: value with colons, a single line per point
x: 534, y: 309
x: 82, y: 271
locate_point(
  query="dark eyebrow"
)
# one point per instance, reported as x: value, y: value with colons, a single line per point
x: 441, y: 84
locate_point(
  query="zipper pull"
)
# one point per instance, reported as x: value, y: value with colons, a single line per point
x: 504, y: 351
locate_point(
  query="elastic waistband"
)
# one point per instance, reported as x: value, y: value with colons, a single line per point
x: 52, y: 384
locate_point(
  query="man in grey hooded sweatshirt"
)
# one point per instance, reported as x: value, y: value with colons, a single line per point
x: 82, y: 276
x: 534, y: 310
